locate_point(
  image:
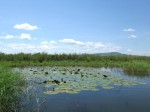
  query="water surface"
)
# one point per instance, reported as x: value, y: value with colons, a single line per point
x: 79, y: 89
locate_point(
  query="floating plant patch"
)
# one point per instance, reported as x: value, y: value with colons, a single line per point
x: 72, y: 80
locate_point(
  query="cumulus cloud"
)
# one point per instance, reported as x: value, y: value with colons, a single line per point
x: 26, y: 48
x: 71, y: 41
x: 129, y: 30
x: 21, y: 46
x: 21, y: 36
x: 94, y: 44
x: 129, y: 50
x: 63, y: 46
x: 132, y: 36
x: 52, y: 42
x: 44, y: 42
x: 25, y: 36
x: 7, y: 37
x: 89, y: 47
x: 25, y: 26
x: 48, y: 42
x: 46, y: 46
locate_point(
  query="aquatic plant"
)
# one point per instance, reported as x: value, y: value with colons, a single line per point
x: 86, y: 79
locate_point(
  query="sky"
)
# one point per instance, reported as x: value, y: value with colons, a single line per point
x: 75, y: 26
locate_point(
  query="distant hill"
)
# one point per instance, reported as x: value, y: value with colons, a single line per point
x: 109, y: 54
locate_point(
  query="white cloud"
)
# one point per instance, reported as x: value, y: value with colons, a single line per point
x: 71, y: 41
x: 25, y: 36
x: 45, y: 46
x: 21, y: 36
x: 68, y: 46
x: 52, y: 42
x: 95, y: 44
x: 89, y: 47
x: 26, y: 48
x: 7, y: 37
x: 132, y: 36
x: 84, y: 44
x: 25, y: 26
x: 21, y: 46
x: 129, y: 30
x: 44, y: 42
x: 129, y: 50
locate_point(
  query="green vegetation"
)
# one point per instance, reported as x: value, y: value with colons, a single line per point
x: 10, y: 88
x: 54, y: 80
x: 130, y: 64
x: 11, y: 83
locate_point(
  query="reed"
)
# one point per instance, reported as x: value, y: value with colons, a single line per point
x: 10, y: 88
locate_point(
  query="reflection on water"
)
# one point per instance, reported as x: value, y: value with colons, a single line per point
x: 119, y: 72
x: 79, y: 89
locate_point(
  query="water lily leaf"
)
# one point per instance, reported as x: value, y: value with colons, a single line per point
x: 51, y: 92
x: 107, y: 87
x: 72, y: 79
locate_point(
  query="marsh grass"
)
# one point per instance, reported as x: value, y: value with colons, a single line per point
x: 137, y: 67
x: 10, y: 88
x: 129, y: 63
x: 134, y: 67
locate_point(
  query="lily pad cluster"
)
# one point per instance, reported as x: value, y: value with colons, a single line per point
x: 56, y: 80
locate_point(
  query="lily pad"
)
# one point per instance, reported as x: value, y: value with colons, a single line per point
x: 72, y: 79
x: 108, y: 87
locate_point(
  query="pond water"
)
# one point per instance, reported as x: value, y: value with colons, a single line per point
x: 80, y: 89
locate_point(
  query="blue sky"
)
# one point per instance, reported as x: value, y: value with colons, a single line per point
x: 75, y: 26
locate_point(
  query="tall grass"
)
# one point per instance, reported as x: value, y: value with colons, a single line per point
x: 10, y: 88
x: 130, y: 64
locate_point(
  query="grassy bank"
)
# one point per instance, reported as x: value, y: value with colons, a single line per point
x: 10, y: 84
x: 130, y: 64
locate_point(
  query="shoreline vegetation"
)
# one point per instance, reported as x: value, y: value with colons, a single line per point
x: 130, y: 64
x: 10, y: 89
x: 11, y: 83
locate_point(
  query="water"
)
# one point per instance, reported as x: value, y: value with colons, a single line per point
x: 121, y: 98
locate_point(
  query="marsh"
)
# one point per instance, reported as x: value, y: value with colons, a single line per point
x: 84, y: 89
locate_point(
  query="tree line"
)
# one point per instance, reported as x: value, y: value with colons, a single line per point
x: 41, y: 57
